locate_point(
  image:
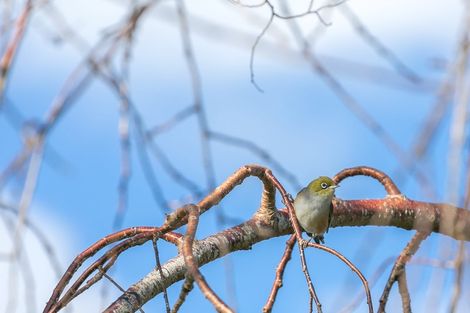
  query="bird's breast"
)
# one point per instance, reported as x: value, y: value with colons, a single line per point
x: 313, y: 212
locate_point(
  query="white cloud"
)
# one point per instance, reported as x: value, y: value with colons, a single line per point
x: 41, y: 277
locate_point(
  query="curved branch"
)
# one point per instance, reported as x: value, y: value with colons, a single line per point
x: 193, y: 267
x: 289, y: 202
x: 384, y: 179
x: 393, y: 211
x: 399, y: 270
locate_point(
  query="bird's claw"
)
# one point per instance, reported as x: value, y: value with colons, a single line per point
x: 319, y: 239
x: 304, y: 243
x: 289, y: 198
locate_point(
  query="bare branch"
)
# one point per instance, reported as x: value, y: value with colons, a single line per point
x: 7, y: 59
x: 346, y: 213
x: 398, y: 270
x: 279, y: 274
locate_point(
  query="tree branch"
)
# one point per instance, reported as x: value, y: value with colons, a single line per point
x: 395, y: 211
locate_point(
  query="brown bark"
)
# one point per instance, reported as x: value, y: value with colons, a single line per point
x: 392, y: 211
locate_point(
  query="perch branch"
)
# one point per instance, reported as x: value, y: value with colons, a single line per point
x: 392, y: 211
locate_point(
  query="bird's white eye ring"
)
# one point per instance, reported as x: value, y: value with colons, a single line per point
x: 324, y: 185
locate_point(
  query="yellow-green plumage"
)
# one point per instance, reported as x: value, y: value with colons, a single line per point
x: 313, y: 207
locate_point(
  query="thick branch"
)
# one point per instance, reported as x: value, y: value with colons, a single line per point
x: 404, y: 213
x: 393, y: 211
x: 240, y: 237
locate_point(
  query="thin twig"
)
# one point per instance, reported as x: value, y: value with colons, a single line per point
x: 399, y: 266
x: 159, y: 267
x: 105, y: 275
x: 253, y: 50
x: 8, y: 57
x: 171, y: 122
x: 287, y: 199
x: 28, y: 192
x: 274, y: 14
x: 378, y: 46
x: 191, y: 263
x: 186, y: 288
x: 277, y: 284
x: 88, y: 253
x: 404, y: 292
x: 19, y: 265
x: 391, y: 211
x: 40, y: 236
x: 457, y: 289
x: 260, y: 152
x: 349, y: 102
x: 352, y: 267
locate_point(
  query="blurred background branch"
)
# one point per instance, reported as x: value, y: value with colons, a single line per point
x: 115, y: 113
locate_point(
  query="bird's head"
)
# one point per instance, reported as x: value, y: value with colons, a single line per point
x: 323, y: 185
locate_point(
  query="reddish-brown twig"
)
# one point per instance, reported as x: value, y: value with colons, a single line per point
x: 384, y: 179
x: 105, y: 275
x: 437, y: 263
x: 351, y: 266
x: 267, y: 222
x: 185, y: 290
x: 399, y: 266
x: 279, y: 274
x: 89, y: 252
x: 287, y: 199
x: 404, y: 292
x: 73, y: 85
x: 372, y: 281
x: 392, y: 211
x: 159, y: 267
x: 7, y: 59
x: 106, y: 261
x: 192, y: 263
x: 181, y: 215
x: 390, y: 188
x: 199, y: 108
x: 367, y: 249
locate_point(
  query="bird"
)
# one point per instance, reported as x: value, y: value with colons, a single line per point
x: 314, y: 209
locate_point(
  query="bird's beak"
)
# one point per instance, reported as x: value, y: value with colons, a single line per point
x: 334, y: 186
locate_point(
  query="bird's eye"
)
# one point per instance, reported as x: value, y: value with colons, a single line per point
x: 324, y: 185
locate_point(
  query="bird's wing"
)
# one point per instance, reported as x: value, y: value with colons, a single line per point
x: 330, y: 217
x: 301, y: 191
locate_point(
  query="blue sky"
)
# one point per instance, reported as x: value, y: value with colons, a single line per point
x: 297, y: 119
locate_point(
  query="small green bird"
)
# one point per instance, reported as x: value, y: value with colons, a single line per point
x: 313, y: 207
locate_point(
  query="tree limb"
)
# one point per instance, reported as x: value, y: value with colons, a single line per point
x: 395, y: 211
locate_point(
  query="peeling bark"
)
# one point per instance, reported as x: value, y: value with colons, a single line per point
x: 395, y: 211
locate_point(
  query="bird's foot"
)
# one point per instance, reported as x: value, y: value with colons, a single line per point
x: 319, y: 239
x: 289, y: 198
x: 304, y: 243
